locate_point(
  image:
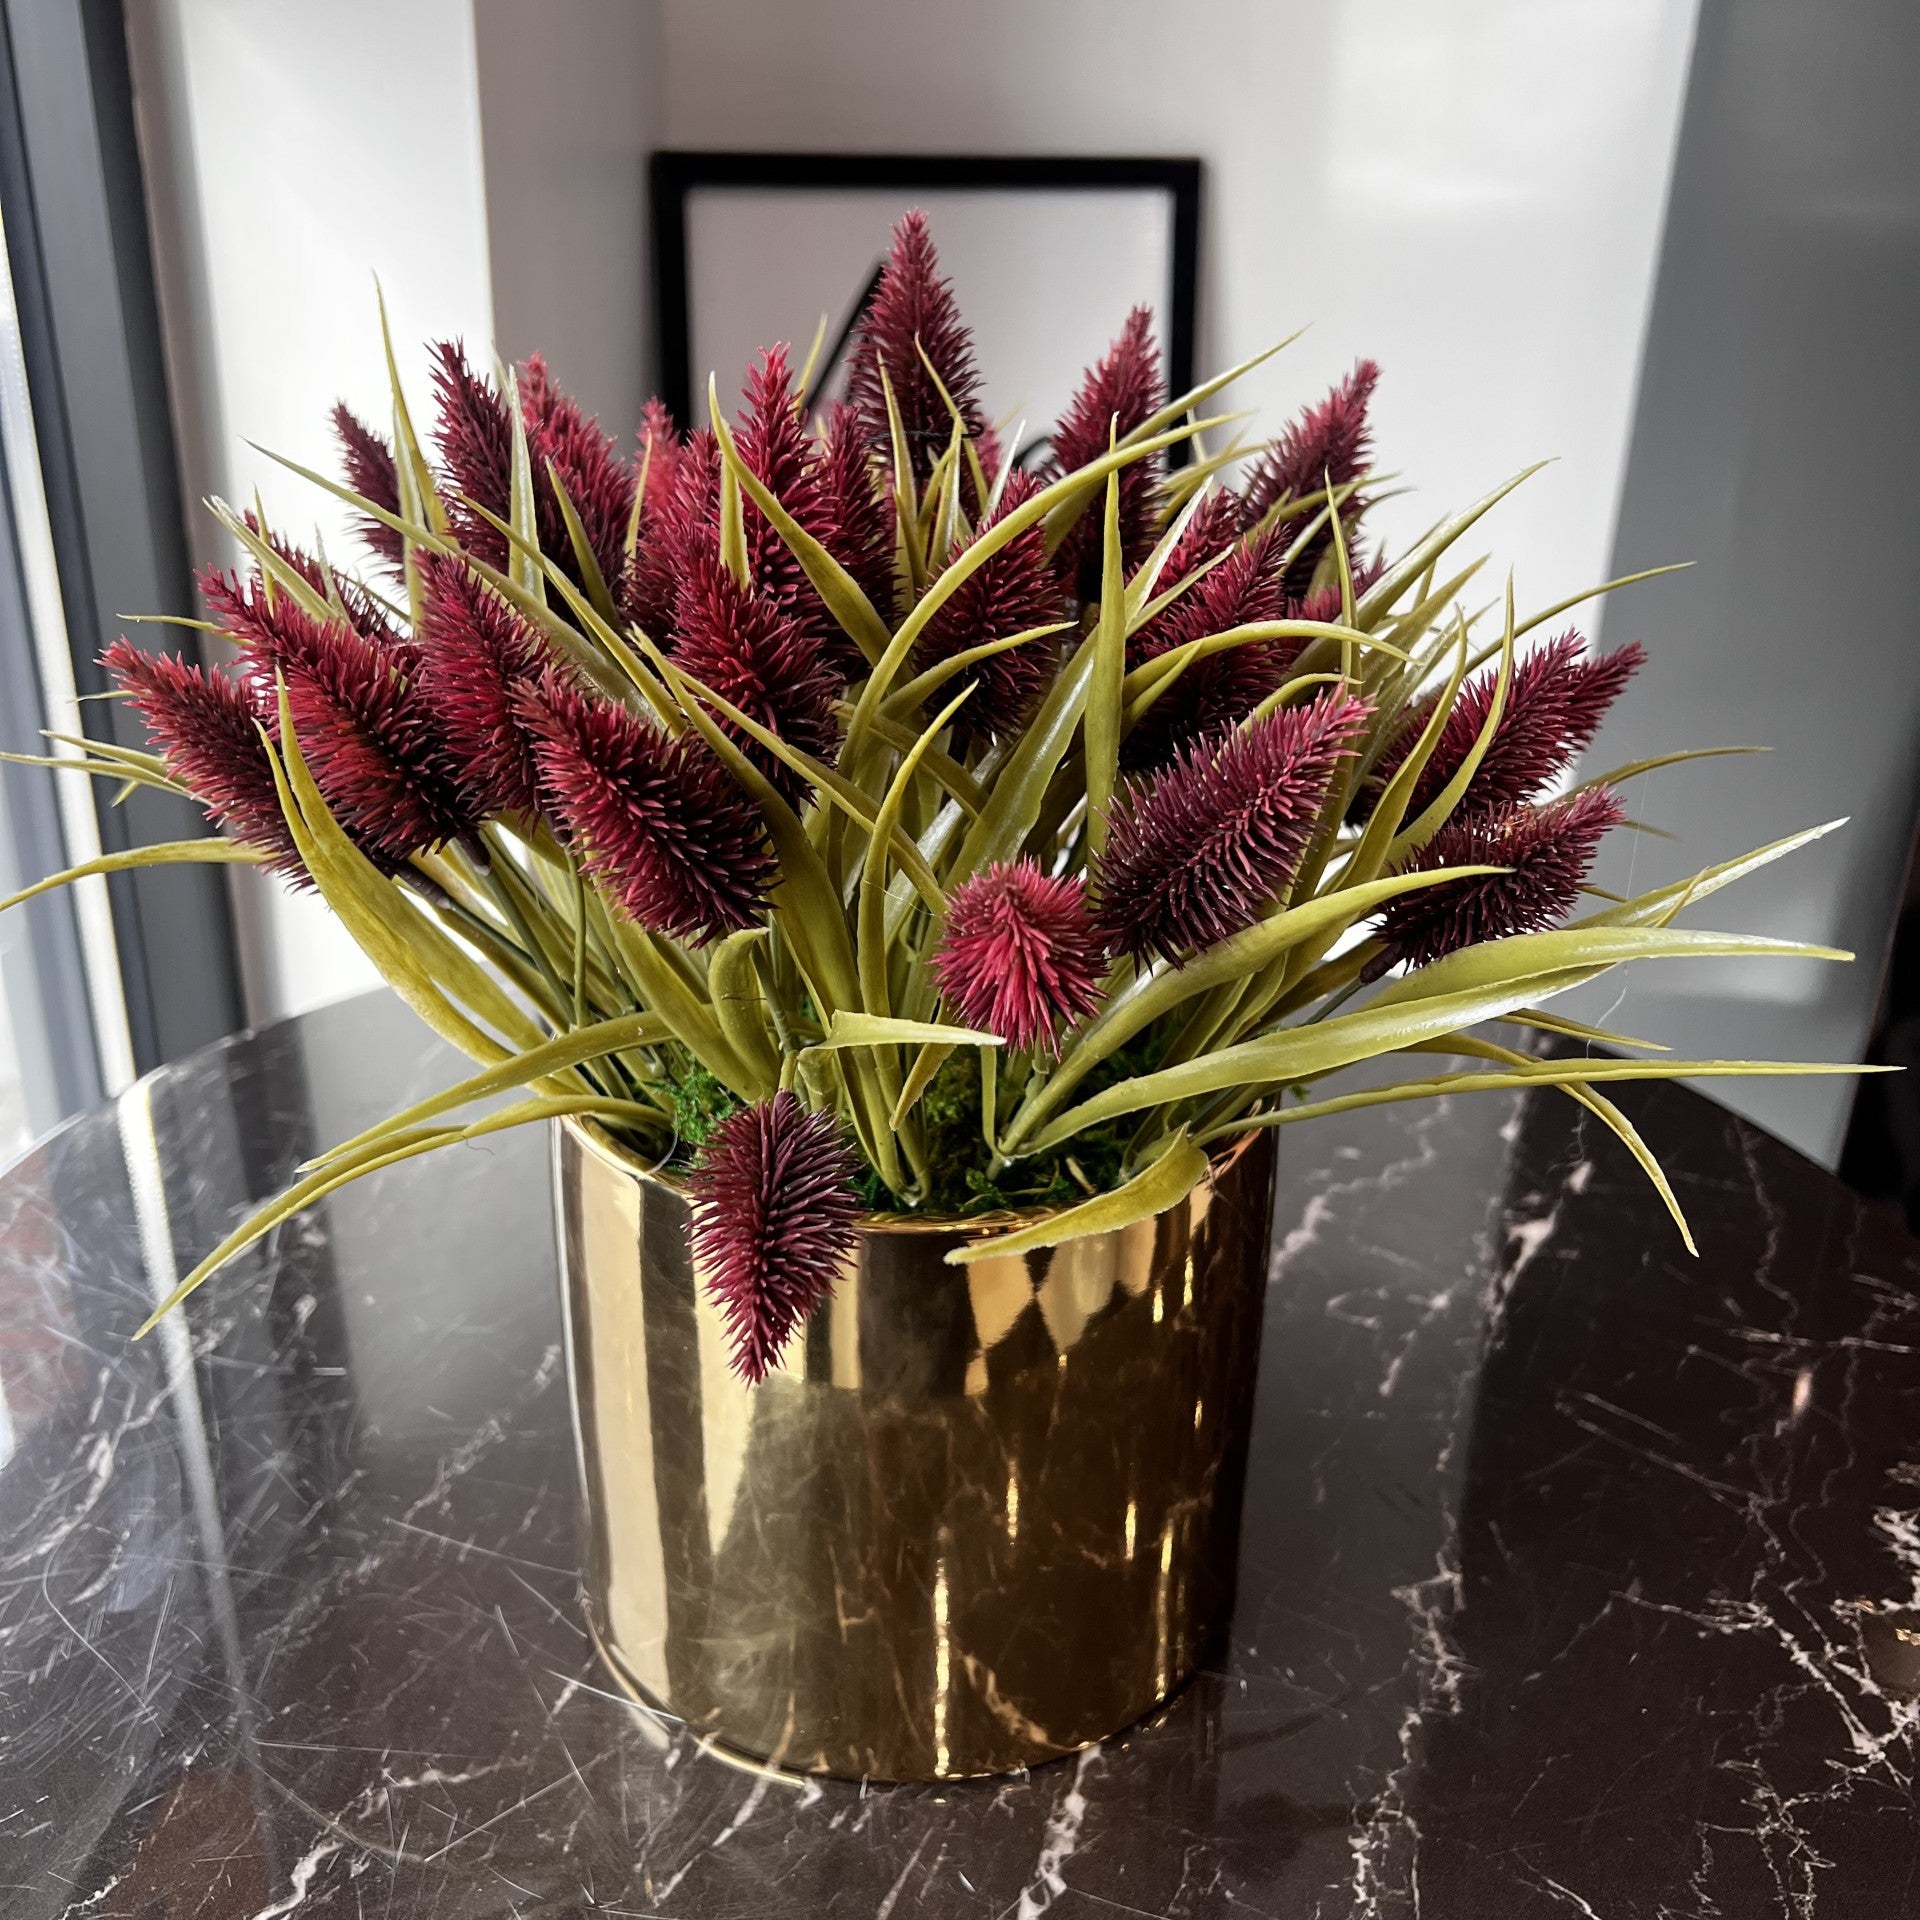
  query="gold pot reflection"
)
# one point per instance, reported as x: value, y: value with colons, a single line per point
x: 979, y: 1517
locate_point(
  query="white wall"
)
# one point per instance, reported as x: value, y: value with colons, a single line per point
x: 293, y: 153
x: 1777, y: 446
x: 570, y: 107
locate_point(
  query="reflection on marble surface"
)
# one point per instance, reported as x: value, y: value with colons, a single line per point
x: 1578, y: 1577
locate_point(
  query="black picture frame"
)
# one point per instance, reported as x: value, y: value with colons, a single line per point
x: 676, y: 173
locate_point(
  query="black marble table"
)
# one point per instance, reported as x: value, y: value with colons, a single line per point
x: 1579, y: 1578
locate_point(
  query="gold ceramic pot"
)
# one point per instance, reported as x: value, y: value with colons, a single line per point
x: 979, y: 1517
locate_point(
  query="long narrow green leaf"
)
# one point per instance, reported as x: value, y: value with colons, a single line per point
x: 1662, y: 900
x: 523, y: 562
x: 1616, y: 776
x: 161, y: 853
x: 1021, y: 789
x: 871, y: 943
x: 917, y: 691
x: 414, y: 472
x: 281, y: 573
x: 430, y: 971
x: 740, y: 1006
x: 1164, y: 1184
x: 1548, y: 1074
x: 1587, y: 944
x: 94, y: 769
x: 1440, y: 809
x: 667, y: 993
x: 329, y: 1179
x: 1155, y: 995
x: 1559, y: 607
x: 523, y: 1069
x: 1381, y: 596
x: 926, y: 1063
x: 1569, y: 1029
x: 1469, y: 1047
x: 584, y: 557
x: 1106, y: 684
x: 1483, y: 989
x: 870, y: 1030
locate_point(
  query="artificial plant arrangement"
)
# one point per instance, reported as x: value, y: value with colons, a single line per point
x: 853, y: 815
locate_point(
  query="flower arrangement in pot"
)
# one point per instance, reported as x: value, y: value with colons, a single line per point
x: 918, y: 885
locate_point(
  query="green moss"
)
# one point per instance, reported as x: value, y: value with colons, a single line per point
x: 957, y: 1158
x: 700, y: 1102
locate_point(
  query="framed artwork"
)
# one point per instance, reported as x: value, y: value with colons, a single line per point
x: 753, y: 248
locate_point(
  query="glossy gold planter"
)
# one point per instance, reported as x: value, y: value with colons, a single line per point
x: 980, y: 1517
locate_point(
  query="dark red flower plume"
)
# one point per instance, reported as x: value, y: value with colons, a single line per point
x: 776, y: 450
x: 371, y: 744
x: 1223, y: 688
x: 1549, y: 849
x: 1331, y: 440
x: 363, y: 727
x: 475, y: 438
x: 598, y: 483
x: 365, y: 615
x: 1328, y: 443
x: 667, y: 833
x: 203, y: 724
x: 1013, y: 590
x: 1323, y: 603
x: 1218, y: 521
x: 1197, y: 855
x: 1020, y: 957
x: 476, y: 652
x: 773, y: 1213
x: 776, y: 671
x: 660, y: 452
x: 1121, y: 390
x: 273, y: 631
x: 856, y: 526
x: 372, y: 475
x: 1554, y: 709
x: 913, y: 309
x: 686, y: 518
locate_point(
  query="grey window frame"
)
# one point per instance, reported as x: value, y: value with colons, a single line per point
x: 73, y: 200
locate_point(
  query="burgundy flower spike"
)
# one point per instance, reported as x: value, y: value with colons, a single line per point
x: 1330, y: 441
x: 739, y: 643
x: 204, y: 726
x: 913, y: 310
x: 1012, y: 591
x: 563, y: 443
x: 1197, y: 856
x: 1020, y: 957
x: 665, y: 830
x: 1549, y: 849
x: 1223, y: 687
x: 1554, y: 709
x: 856, y: 524
x: 476, y: 653
x: 1120, y: 392
x: 773, y: 1213
x: 371, y: 474
x: 475, y: 437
